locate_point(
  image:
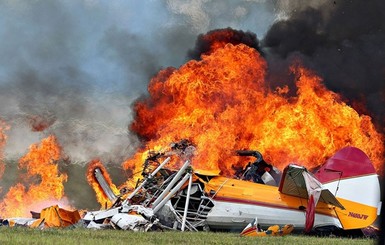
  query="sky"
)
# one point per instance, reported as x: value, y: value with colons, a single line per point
x: 74, y: 68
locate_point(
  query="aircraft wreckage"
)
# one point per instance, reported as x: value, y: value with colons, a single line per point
x: 343, y: 194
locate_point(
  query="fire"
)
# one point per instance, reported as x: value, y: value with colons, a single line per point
x: 222, y: 103
x: 41, y: 184
x: 100, y: 195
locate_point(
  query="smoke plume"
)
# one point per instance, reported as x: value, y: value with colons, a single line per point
x: 343, y: 41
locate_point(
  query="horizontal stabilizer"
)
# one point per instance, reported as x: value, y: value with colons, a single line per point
x: 293, y: 183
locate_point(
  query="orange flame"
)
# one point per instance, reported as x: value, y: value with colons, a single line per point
x: 222, y: 103
x: 42, y: 182
x: 100, y: 195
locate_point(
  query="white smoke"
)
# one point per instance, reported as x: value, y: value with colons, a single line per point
x: 83, y: 64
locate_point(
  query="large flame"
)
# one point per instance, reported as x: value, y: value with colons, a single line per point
x: 222, y: 103
x: 41, y: 184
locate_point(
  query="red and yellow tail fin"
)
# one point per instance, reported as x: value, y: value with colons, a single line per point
x: 351, y: 177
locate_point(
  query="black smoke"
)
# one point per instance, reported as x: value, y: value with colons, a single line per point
x: 344, y: 42
x: 204, y: 42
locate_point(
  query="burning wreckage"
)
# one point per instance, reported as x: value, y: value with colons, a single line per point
x: 343, y: 194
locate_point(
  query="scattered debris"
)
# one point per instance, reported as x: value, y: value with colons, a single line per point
x: 49, y: 217
x: 254, y: 229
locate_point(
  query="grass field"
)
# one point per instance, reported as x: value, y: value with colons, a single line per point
x: 95, y: 237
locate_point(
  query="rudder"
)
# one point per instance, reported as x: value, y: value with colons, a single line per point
x: 351, y: 177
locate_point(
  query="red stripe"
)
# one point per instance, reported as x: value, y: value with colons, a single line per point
x: 249, y: 231
x: 310, y: 214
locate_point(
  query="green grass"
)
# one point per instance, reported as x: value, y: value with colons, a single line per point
x: 86, y: 236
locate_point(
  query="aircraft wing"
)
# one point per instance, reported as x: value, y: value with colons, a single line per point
x: 296, y: 181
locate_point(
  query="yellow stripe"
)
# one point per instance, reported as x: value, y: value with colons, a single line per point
x: 356, y: 215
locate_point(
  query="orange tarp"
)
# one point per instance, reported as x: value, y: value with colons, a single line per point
x: 56, y: 217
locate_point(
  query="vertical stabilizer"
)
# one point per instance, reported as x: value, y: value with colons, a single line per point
x: 351, y: 177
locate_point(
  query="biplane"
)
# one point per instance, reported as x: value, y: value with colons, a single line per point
x: 342, y: 194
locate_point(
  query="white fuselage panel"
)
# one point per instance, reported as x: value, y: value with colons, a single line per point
x: 235, y: 216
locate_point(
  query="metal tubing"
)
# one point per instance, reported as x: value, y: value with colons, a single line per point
x: 150, y: 176
x: 104, y: 185
x: 171, y: 193
x: 187, y: 202
x: 173, y: 181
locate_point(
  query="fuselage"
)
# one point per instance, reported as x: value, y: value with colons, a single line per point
x: 238, y: 202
